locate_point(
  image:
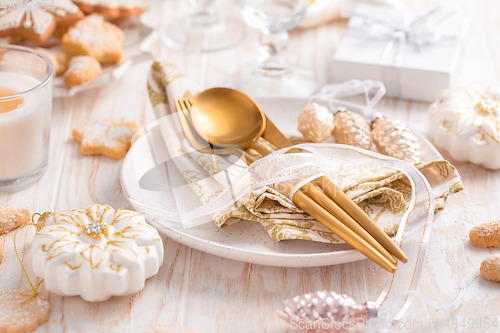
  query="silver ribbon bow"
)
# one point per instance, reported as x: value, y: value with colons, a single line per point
x: 399, y: 31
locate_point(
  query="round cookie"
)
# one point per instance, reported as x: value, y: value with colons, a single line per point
x: 13, y: 218
x: 490, y: 268
x: 81, y: 69
x: 485, y: 234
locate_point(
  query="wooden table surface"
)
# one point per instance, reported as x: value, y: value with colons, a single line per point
x: 218, y: 295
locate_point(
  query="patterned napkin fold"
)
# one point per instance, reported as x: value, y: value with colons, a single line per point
x: 383, y: 193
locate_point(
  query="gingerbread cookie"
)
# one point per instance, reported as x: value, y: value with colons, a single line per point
x: 65, y: 12
x: 23, y: 20
x: 171, y: 328
x: 18, y: 313
x: 112, y: 8
x: 81, y: 69
x: 12, y: 218
x: 1, y: 250
x: 485, y: 234
x: 93, y: 36
x: 490, y: 268
x: 106, y: 137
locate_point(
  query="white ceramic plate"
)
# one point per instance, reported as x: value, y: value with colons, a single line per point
x: 248, y: 241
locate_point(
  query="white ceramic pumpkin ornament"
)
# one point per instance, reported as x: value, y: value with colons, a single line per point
x: 96, y: 253
x: 466, y: 123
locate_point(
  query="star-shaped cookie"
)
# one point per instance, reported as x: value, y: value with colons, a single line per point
x: 95, y: 37
x: 106, y: 137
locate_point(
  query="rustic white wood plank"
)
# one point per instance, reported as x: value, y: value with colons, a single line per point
x: 219, y: 295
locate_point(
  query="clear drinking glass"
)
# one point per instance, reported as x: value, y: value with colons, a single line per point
x: 203, y: 30
x: 25, y: 107
x: 274, y: 18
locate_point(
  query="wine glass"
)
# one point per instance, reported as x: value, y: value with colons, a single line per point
x: 274, y: 18
x: 203, y: 30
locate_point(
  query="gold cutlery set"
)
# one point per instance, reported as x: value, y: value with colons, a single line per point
x: 219, y: 119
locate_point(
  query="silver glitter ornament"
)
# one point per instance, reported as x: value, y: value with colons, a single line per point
x: 325, y: 307
x: 395, y: 139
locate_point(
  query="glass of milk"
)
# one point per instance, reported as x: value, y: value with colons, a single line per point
x: 25, y: 106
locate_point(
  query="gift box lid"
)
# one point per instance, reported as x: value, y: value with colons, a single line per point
x: 400, y: 47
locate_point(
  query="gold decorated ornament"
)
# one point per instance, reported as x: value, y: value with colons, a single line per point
x: 315, y: 123
x: 352, y: 129
x: 96, y: 253
x: 395, y: 139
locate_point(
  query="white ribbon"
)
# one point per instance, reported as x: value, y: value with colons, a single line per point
x: 302, y: 183
x: 390, y: 313
x: 351, y: 88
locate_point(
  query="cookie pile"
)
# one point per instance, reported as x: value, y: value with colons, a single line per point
x: 83, y: 44
x: 488, y: 235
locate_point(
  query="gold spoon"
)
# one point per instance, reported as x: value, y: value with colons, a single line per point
x: 227, y: 119
x: 231, y: 110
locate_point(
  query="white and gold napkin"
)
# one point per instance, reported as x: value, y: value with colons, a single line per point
x: 384, y: 193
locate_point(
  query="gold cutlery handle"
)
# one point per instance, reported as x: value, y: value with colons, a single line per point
x: 360, y: 216
x: 260, y: 148
x: 325, y: 218
x: 332, y: 207
x: 334, y: 224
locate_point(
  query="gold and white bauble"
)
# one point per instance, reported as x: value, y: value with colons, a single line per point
x: 466, y: 123
x: 393, y: 138
x: 96, y: 253
x: 315, y: 123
